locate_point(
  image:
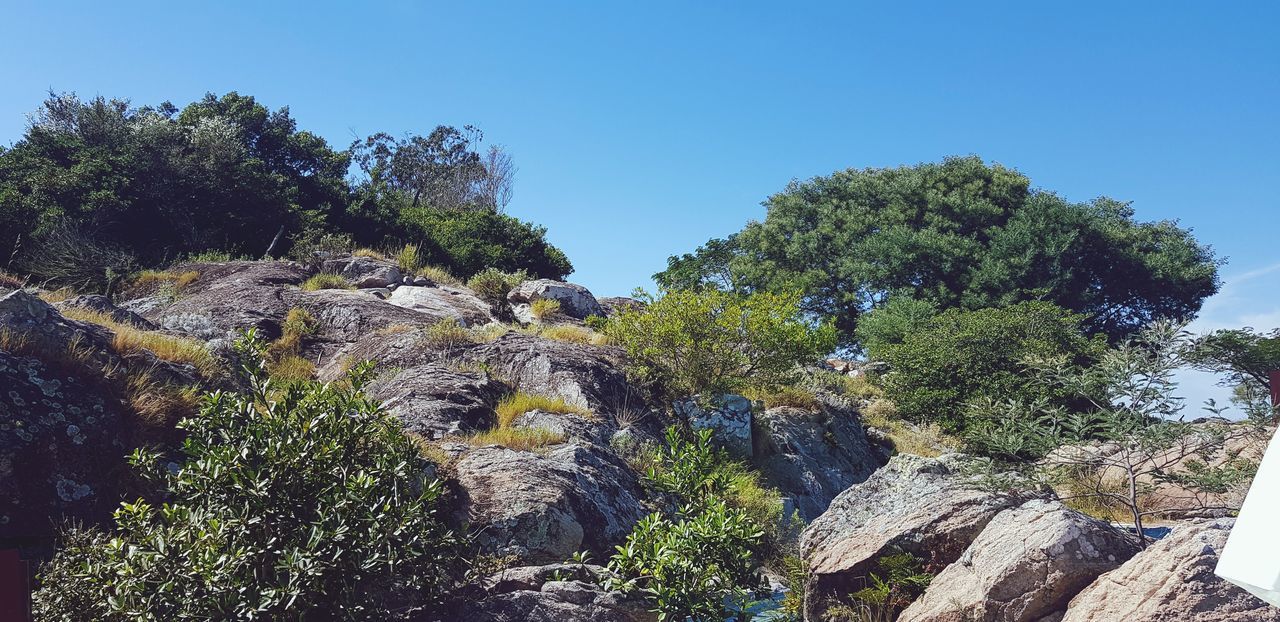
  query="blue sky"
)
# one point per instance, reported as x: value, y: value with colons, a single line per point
x: 642, y: 129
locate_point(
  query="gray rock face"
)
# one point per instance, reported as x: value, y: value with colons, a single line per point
x: 583, y: 375
x: 556, y: 601
x: 1027, y: 564
x: 102, y: 304
x: 1172, y: 580
x: 442, y: 302
x: 918, y: 505
x: 727, y: 416
x: 363, y: 272
x: 434, y: 401
x: 545, y: 506
x: 612, y: 305
x: 575, y: 300
x: 533, y: 577
x: 812, y: 456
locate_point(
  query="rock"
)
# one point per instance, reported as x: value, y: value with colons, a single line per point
x: 364, y: 272
x: 613, y: 305
x: 434, y: 401
x: 812, y: 456
x: 1172, y: 580
x: 545, y: 506
x: 1027, y: 564
x: 557, y: 601
x: 597, y: 430
x: 442, y: 302
x: 583, y: 375
x: 575, y: 300
x: 919, y: 505
x: 533, y: 577
x: 727, y: 416
x: 381, y: 293
x: 102, y: 304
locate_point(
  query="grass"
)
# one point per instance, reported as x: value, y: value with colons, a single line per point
x: 393, y: 329
x: 179, y: 280
x: 10, y: 280
x: 284, y: 355
x: 447, y: 333
x: 860, y: 386
x: 325, y: 281
x: 160, y: 405
x: 291, y: 369
x: 520, y: 403
x: 544, y: 309
x: 215, y: 257
x: 794, y: 397
x: 926, y: 440
x: 129, y: 339
x: 493, y: 285
x: 1080, y: 490
x: 57, y: 295
x: 520, y: 439
x: 439, y: 275
x: 488, y: 332
x: 370, y: 253
x: 429, y: 450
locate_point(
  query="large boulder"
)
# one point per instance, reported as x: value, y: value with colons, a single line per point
x: 727, y: 416
x: 434, y: 401
x: 365, y: 272
x: 575, y: 300
x: 544, y: 506
x: 812, y: 456
x: 443, y: 301
x: 555, y: 601
x: 1027, y: 564
x: 923, y: 506
x: 1172, y: 580
x: 583, y: 375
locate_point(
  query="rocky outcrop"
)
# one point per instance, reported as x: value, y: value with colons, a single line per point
x: 1027, y: 564
x: 364, y: 272
x: 1172, y: 580
x: 555, y: 601
x: 813, y: 456
x: 922, y: 506
x: 727, y: 416
x: 545, y: 506
x: 575, y: 300
x: 101, y: 304
x: 434, y: 401
x: 583, y: 375
x: 443, y: 301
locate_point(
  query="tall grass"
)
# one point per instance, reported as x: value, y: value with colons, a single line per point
x: 519, y: 403
x: 129, y: 339
x: 325, y: 281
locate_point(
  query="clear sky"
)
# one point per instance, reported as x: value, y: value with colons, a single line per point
x: 642, y: 129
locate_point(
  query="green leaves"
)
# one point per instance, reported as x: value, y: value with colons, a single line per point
x: 712, y: 342
x: 313, y: 504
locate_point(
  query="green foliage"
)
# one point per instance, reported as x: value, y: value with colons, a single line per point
x: 313, y: 246
x: 707, y: 342
x: 899, y: 580
x: 310, y: 505
x: 408, y: 260
x: 492, y: 285
x: 959, y: 356
x: 892, y: 323
x: 959, y: 233
x: 1244, y: 355
x: 325, y: 280
x: 704, y: 552
x: 469, y: 242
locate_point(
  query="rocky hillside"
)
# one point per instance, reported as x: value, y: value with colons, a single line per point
x: 87, y: 379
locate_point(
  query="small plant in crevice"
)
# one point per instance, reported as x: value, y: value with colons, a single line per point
x: 325, y: 280
x: 899, y: 579
x: 544, y: 309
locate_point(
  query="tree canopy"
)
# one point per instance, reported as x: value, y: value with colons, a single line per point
x: 960, y: 234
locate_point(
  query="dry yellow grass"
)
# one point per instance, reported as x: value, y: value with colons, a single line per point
x: 926, y: 440
x: 10, y: 280
x: 179, y: 280
x: 130, y: 339
x: 544, y: 308
x: 518, y: 404
x: 488, y: 332
x: 160, y: 405
x: 325, y: 281
x: 447, y: 333
x: 568, y: 333
x: 57, y: 295
x: 521, y: 439
x: 370, y: 253
x: 393, y: 329
x: 291, y: 368
x: 439, y: 275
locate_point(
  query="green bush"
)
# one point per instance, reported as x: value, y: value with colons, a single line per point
x: 492, y: 285
x: 710, y: 341
x: 960, y: 356
x: 311, y: 505
x: 471, y: 241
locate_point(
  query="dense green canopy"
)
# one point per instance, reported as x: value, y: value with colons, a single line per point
x: 960, y: 234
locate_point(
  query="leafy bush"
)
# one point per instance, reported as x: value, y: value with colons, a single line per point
x: 312, y: 505
x: 959, y: 356
x: 898, y: 581
x: 492, y: 285
x: 325, y: 281
x: 706, y: 342
x: 468, y: 242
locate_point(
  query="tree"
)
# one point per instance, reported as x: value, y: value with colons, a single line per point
x: 467, y: 243
x: 712, y: 342
x: 958, y: 356
x: 960, y: 234
x: 440, y: 170
x: 1245, y: 356
x: 307, y: 502
x: 1126, y: 438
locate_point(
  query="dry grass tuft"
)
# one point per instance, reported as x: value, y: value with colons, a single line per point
x: 160, y: 405
x: 57, y: 295
x: 439, y: 275
x: 290, y: 369
x: 130, y: 339
x: 520, y: 439
x: 370, y: 253
x: 794, y: 397
x: 11, y: 280
x: 544, y: 308
x: 488, y: 332
x: 178, y: 280
x: 325, y: 281
x: 447, y: 333
x: 520, y: 403
x: 926, y: 440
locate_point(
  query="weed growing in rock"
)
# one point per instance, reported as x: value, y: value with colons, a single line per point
x: 544, y: 308
x: 325, y: 281
x: 493, y: 285
x: 520, y: 403
x: 129, y: 339
x: 438, y: 275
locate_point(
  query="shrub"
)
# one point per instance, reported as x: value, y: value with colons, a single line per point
x: 447, y: 333
x: 710, y: 341
x: 794, y: 397
x: 959, y: 356
x: 311, y: 505
x: 407, y: 259
x: 897, y: 582
x: 544, y: 308
x: 493, y: 285
x: 69, y: 256
x: 468, y: 242
x: 313, y: 246
x: 325, y: 281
